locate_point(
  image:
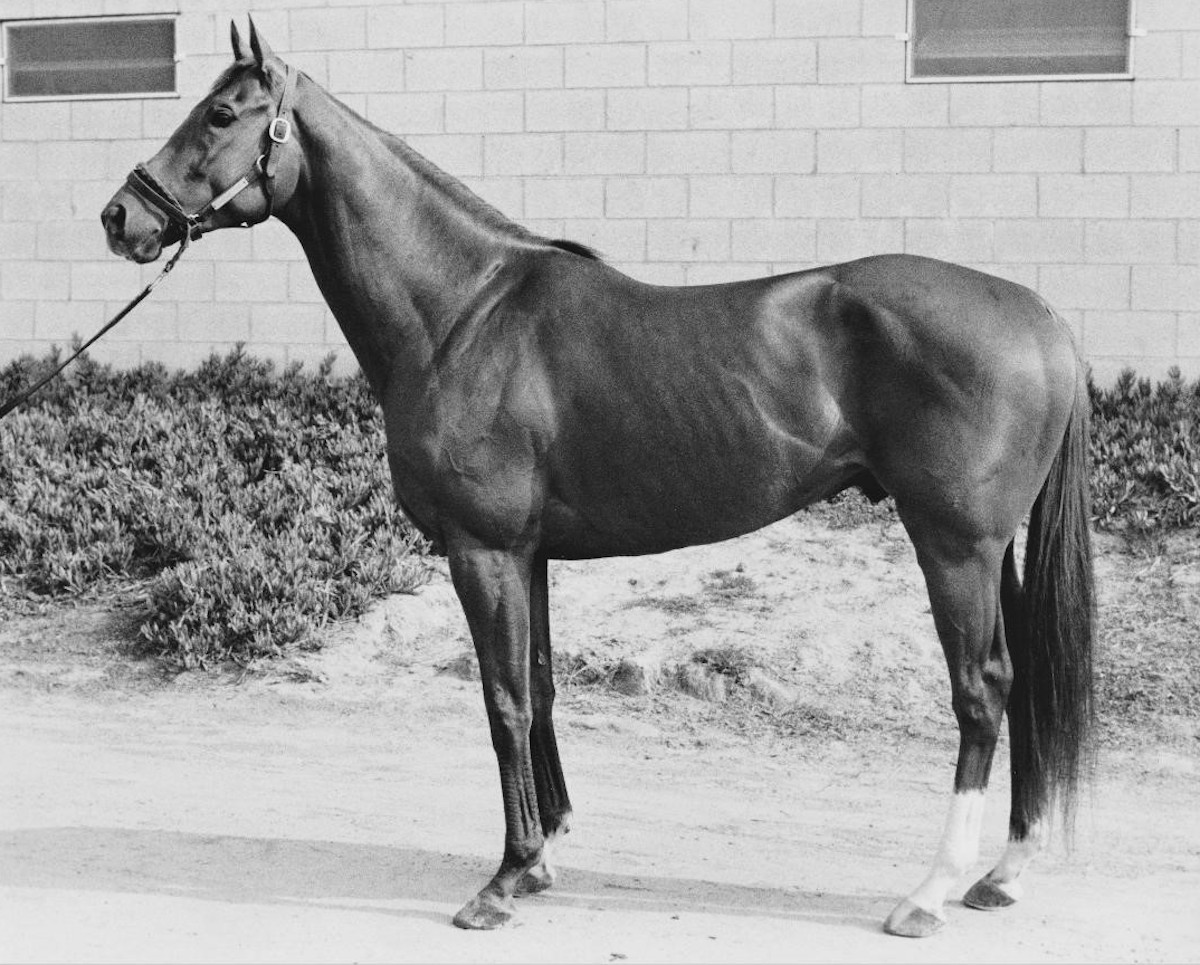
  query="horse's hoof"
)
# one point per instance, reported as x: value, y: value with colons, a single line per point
x: 537, y: 879
x: 989, y: 895
x: 485, y: 912
x: 910, y: 921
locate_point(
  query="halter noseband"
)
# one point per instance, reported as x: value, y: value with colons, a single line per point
x: 151, y: 190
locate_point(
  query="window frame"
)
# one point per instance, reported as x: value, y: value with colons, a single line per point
x: 1131, y: 34
x: 8, y: 97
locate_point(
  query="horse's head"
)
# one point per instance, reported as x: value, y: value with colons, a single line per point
x: 232, y: 140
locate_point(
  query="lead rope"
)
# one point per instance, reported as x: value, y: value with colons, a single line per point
x: 24, y: 396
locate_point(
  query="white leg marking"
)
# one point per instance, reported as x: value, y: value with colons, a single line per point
x: 1016, y: 858
x: 957, y: 852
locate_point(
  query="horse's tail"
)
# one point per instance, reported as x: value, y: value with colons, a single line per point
x: 1049, y: 626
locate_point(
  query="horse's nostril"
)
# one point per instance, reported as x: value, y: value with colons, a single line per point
x: 113, y: 219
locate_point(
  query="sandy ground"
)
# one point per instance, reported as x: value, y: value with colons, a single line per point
x: 347, y: 816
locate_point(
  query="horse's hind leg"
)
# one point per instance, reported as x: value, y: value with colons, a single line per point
x: 554, y: 805
x: 963, y: 578
x: 1027, y: 829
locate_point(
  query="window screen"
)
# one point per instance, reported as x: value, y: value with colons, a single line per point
x: 988, y: 39
x: 111, y: 57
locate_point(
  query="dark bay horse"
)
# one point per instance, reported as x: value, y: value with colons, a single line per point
x: 539, y: 404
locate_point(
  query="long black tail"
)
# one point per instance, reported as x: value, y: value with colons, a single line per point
x: 1049, y: 626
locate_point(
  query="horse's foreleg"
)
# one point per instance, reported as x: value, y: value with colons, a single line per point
x: 493, y: 586
x: 964, y: 593
x: 554, y: 805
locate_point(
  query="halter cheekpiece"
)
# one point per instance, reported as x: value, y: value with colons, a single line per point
x: 151, y: 190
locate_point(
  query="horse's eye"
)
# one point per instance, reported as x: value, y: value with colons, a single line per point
x: 221, y: 118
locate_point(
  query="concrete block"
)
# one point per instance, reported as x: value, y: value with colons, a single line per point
x: 484, y: 111
x: 256, y: 282
x: 60, y: 321
x: 649, y: 197
x: 506, y: 195
x: 774, y: 62
x: 866, y: 150
x: 860, y: 60
x: 730, y: 107
x: 214, y: 322
x: 1127, y: 149
x: 522, y: 154
x: 287, y: 323
x: 604, y: 153
x: 687, y: 239
x: 1039, y: 150
x: 1083, y: 196
x: 614, y: 239
x: 817, y: 196
x: 1167, y: 103
x: 18, y: 161
x: 720, y: 19
x: 403, y: 114
x: 1165, y: 195
x: 769, y: 152
x: 1166, y: 287
x: 328, y: 28
x: 461, y: 155
x: 451, y: 68
x: 905, y: 196
x: 565, y: 22
x: 565, y: 110
x: 368, y: 71
x: 301, y: 286
x: 112, y: 120
x: 28, y: 240
x: 1085, y: 286
x: 606, y: 65
x: 993, y: 105
x: 37, y: 121
x: 688, y: 152
x: 818, y: 106
x: 523, y: 68
x: 1020, y: 240
x: 774, y: 239
x: 817, y: 18
x: 905, y: 105
x: 401, y: 26
x: 636, y: 20
x: 71, y: 160
x: 1129, y: 242
x: 884, y: 17
x: 1129, y: 335
x: 691, y: 63
x: 485, y: 23
x: 839, y: 240
x: 564, y: 197
x: 956, y: 149
x: 993, y: 196
x: 648, y: 109
x: 1086, y: 103
x: 961, y: 240
x: 730, y: 196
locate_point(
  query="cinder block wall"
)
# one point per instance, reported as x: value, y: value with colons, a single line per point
x: 689, y: 140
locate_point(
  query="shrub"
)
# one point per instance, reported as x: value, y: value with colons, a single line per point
x: 256, y: 503
x: 1145, y: 448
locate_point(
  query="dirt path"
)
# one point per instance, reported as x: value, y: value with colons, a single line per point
x: 346, y: 820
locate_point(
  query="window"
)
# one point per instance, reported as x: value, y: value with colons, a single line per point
x: 97, y: 57
x: 983, y: 40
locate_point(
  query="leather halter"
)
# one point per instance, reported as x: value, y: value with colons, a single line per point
x: 151, y: 190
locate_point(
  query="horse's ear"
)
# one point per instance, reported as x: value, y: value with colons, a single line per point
x: 258, y: 44
x: 240, y: 51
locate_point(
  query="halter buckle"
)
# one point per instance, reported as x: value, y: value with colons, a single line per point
x: 280, y: 130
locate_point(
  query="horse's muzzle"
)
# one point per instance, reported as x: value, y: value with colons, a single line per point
x: 131, y: 231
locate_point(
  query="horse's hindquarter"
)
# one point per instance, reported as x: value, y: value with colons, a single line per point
x: 963, y: 384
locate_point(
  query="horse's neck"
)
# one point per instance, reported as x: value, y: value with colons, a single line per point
x: 396, y: 246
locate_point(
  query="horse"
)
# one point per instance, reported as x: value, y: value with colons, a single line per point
x: 540, y: 404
